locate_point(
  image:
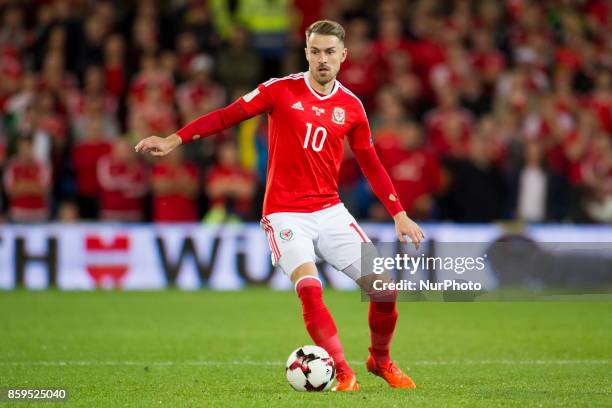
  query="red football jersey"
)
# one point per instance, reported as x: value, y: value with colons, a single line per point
x: 415, y: 172
x: 124, y: 185
x: 85, y: 157
x: 175, y: 206
x: 27, y: 205
x: 306, y: 137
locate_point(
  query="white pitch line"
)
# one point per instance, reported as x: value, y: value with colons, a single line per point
x: 280, y: 363
x: 513, y: 362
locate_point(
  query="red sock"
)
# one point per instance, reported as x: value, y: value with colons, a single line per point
x: 319, y: 322
x: 382, y: 318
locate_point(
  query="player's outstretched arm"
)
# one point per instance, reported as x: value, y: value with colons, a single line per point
x: 204, y: 126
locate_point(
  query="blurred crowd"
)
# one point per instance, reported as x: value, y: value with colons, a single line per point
x: 480, y: 110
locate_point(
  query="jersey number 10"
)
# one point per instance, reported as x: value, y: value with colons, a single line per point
x: 319, y: 132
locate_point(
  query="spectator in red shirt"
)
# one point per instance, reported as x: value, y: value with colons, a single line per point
x: 151, y: 75
x: 154, y: 112
x: 200, y: 94
x: 27, y: 183
x: 428, y: 50
x: 360, y: 72
x: 175, y: 189
x: 548, y: 124
x: 11, y: 71
x: 563, y: 94
x: 577, y: 144
x: 124, y: 184
x: 601, y: 101
x: 230, y: 187
x: 94, y: 102
x: 453, y: 71
x: 114, y: 68
x: 486, y: 59
x: 85, y: 157
x: 449, y: 127
x: 415, y: 171
x: 568, y: 55
x: 390, y: 39
x: 461, y: 20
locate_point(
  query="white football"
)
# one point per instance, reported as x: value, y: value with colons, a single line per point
x: 310, y: 368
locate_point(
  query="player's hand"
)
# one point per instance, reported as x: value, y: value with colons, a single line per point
x: 158, y: 146
x: 404, y: 226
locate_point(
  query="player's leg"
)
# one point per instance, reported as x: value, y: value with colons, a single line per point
x: 340, y: 243
x: 382, y: 319
x: 317, y: 318
x: 319, y: 321
x: 291, y: 241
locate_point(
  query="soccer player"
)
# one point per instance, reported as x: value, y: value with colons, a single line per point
x: 309, y: 116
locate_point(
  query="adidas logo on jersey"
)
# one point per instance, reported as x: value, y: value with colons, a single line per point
x: 298, y: 106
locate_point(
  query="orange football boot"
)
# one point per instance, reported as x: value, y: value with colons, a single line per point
x: 346, y: 382
x: 390, y: 373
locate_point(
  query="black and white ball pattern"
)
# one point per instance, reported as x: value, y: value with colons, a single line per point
x: 310, y: 368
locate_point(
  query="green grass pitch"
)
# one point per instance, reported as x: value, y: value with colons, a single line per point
x: 195, y: 349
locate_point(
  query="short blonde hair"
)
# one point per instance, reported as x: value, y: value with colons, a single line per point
x: 326, y: 27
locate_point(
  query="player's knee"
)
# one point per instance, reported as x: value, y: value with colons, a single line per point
x: 360, y: 270
x: 304, y: 271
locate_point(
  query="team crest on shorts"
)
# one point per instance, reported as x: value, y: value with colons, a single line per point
x: 338, y: 116
x: 286, y: 234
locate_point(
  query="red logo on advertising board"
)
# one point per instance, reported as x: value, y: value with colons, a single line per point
x: 107, y: 260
